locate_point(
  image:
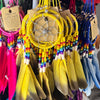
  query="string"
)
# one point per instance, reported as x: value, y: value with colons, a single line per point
x: 89, y: 6
x: 53, y: 3
x: 59, y: 4
x: 86, y: 6
x: 92, y: 6
x: 56, y: 3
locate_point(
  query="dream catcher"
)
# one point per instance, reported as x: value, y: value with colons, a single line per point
x: 87, y: 47
x: 8, y: 55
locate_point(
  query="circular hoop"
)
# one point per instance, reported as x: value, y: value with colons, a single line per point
x: 38, y: 16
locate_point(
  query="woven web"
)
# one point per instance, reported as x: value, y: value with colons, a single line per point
x: 45, y: 30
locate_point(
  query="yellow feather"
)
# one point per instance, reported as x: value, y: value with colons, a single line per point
x: 25, y: 84
x: 63, y: 79
x: 71, y: 73
x: 60, y: 76
x: 40, y: 78
x: 50, y: 77
x: 79, y: 70
x: 31, y: 88
x: 20, y: 79
x: 39, y: 90
x: 56, y: 72
x: 46, y: 87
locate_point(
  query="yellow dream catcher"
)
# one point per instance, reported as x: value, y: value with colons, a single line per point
x: 44, y: 37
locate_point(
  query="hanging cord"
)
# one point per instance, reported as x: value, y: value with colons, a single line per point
x: 93, y: 6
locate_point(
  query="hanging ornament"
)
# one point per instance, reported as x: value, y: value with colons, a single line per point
x: 9, y: 68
